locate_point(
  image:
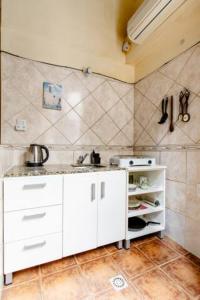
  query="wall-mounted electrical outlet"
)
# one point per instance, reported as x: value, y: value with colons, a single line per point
x: 21, y: 125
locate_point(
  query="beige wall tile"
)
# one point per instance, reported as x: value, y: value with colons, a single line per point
x: 176, y: 165
x: 175, y: 226
x: 145, y: 112
x: 155, y: 130
x: 120, y: 88
x: 193, y: 167
x: 128, y: 130
x: 73, y: 90
x: 71, y: 126
x: 52, y: 136
x: 9, y: 96
x: 36, y: 124
x: 176, y: 138
x: 90, y: 82
x: 192, y: 204
x: 137, y: 130
x: 105, y: 129
x: 144, y: 140
x: 85, y: 100
x: 89, y: 110
x: 120, y: 139
x: 192, y: 241
x: 173, y: 68
x: 190, y: 74
x: 120, y: 114
x: 192, y: 128
x: 60, y: 157
x: 138, y: 98
x: 176, y: 196
x: 128, y: 99
x: 89, y: 138
x: 51, y: 73
x: 106, y: 96
x: 159, y: 87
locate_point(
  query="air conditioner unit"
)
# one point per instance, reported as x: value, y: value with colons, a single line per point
x: 149, y: 16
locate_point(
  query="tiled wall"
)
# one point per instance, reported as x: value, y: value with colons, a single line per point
x: 179, y: 150
x: 183, y: 71
x: 97, y: 113
x: 95, y: 110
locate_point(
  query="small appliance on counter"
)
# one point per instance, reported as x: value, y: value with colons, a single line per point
x: 128, y: 161
x: 35, y: 157
x: 95, y: 158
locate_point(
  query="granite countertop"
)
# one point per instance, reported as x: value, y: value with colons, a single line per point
x: 18, y: 171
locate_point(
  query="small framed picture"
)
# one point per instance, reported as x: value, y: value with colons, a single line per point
x: 52, y: 95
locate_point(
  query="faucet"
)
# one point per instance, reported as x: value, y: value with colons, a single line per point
x: 82, y: 158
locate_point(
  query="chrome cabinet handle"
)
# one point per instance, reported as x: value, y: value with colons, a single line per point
x: 36, y: 245
x: 92, y: 191
x: 34, y: 186
x: 35, y: 216
x: 103, y: 189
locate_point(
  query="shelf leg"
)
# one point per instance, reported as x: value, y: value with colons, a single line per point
x: 8, y: 278
x: 161, y: 234
x: 127, y: 244
x: 119, y: 245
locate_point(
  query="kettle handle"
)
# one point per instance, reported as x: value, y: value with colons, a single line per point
x: 47, y: 153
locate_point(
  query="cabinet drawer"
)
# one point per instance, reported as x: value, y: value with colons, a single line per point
x: 28, y: 223
x: 28, y: 253
x: 30, y: 192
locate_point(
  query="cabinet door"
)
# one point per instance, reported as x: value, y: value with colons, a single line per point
x: 80, y: 213
x: 111, y: 206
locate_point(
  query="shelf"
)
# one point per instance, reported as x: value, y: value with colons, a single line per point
x: 140, y: 191
x: 147, y: 230
x: 150, y: 209
x: 146, y: 168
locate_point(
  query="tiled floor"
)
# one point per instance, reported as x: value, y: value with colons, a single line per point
x: 154, y: 269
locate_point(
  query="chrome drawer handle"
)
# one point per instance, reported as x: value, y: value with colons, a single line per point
x: 103, y: 189
x: 92, y: 191
x: 32, y: 246
x: 34, y: 186
x: 35, y: 216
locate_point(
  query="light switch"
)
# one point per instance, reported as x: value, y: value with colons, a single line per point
x: 21, y: 125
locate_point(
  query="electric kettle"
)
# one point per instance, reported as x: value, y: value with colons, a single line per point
x: 34, y: 157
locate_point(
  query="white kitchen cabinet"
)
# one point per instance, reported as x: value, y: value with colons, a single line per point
x: 94, y: 210
x: 32, y: 191
x: 79, y: 213
x: 111, y: 207
x: 32, y: 222
x: 50, y: 217
x: 22, y: 224
x: 31, y: 252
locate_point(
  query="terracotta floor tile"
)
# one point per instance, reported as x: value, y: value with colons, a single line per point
x: 155, y: 285
x: 25, y: 275
x: 90, y: 255
x: 129, y: 293
x: 132, y: 262
x: 186, y: 274
x: 193, y: 258
x: 157, y: 251
x: 57, y: 265
x: 98, y: 272
x: 26, y: 291
x: 143, y: 239
x: 112, y: 248
x: 172, y: 244
x: 65, y: 285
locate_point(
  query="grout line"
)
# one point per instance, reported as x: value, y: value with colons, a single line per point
x: 175, y: 283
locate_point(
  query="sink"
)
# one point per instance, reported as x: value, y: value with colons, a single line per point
x: 86, y: 166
